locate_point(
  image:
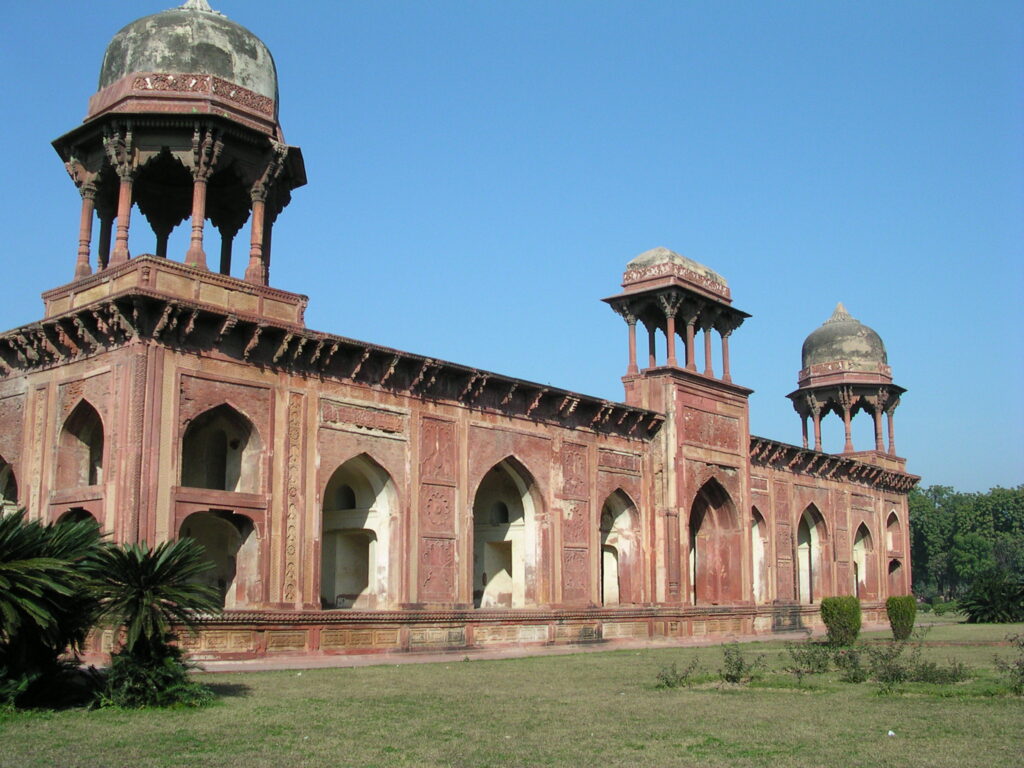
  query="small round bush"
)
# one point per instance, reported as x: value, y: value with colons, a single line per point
x: 842, y: 618
x: 902, y: 610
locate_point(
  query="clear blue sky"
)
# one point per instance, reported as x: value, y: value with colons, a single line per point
x: 480, y: 172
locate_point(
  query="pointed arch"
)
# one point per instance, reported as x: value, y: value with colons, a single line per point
x: 80, y: 448
x: 359, y: 515
x: 505, y: 507
x: 812, y: 565
x: 715, y: 547
x: 8, y: 487
x: 77, y: 515
x: 620, y: 550
x: 896, y: 586
x: 865, y: 582
x: 893, y: 533
x: 220, y: 450
x: 759, y: 549
x: 232, y: 547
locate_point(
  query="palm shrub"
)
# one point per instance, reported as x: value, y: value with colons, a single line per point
x: 901, y: 610
x: 146, y: 592
x: 842, y: 618
x: 996, y: 597
x: 46, y: 605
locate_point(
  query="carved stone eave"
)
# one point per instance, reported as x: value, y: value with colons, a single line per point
x: 153, y: 317
x: 803, y: 461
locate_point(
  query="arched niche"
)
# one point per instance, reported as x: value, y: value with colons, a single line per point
x: 232, y: 546
x: 77, y: 515
x: 620, y: 551
x: 865, y: 584
x: 504, y: 537
x: 715, y: 547
x: 8, y: 488
x: 358, y: 521
x: 80, y: 448
x: 895, y: 578
x: 812, y: 565
x: 759, y: 550
x: 893, y: 534
x: 221, y: 451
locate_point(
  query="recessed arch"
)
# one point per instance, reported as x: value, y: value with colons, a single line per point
x: 232, y: 547
x: 759, y: 549
x: 715, y: 547
x: 895, y: 578
x: 80, y: 448
x: 811, y: 538
x: 358, y: 517
x: 504, y: 537
x: 220, y: 451
x: 77, y: 515
x: 620, y: 550
x: 8, y: 487
x: 893, y: 533
x: 863, y: 564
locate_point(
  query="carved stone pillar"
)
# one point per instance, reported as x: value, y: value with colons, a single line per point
x: 82, y: 267
x: 846, y: 403
x: 206, y: 151
x: 652, y: 360
x: 670, y: 305
x: 877, y: 414
x: 817, y: 431
x: 725, y: 356
x: 709, y: 370
x: 892, y: 433
x: 631, y: 367
x: 254, y: 272
x: 691, y: 323
x: 803, y: 427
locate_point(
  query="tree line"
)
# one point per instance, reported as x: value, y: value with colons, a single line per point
x: 956, y: 538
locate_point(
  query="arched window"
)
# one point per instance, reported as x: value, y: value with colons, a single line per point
x: 80, y: 448
x: 220, y: 451
x: 358, y: 512
x: 620, y: 551
x: 715, y: 547
x: 759, y: 555
x: 503, y: 537
x: 232, y: 547
x: 77, y: 515
x: 863, y: 564
x: 8, y: 488
x: 812, y: 578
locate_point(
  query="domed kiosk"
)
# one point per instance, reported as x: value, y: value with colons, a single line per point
x: 845, y: 369
x: 184, y: 126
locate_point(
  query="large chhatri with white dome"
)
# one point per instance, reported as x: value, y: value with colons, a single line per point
x: 354, y: 498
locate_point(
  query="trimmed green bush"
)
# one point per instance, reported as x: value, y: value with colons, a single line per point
x: 842, y: 618
x: 902, y: 610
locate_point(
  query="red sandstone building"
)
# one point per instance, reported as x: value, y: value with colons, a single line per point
x: 357, y: 498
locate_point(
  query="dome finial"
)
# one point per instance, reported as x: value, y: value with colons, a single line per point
x: 197, y: 5
x: 840, y: 314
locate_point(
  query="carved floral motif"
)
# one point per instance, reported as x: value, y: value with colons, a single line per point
x: 437, y: 569
x: 437, y: 451
x: 574, y: 471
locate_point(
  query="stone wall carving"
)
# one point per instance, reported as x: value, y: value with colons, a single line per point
x: 616, y: 461
x: 338, y: 415
x: 575, y: 574
x: 712, y: 430
x: 437, y: 509
x: 294, y: 496
x: 437, y: 451
x: 575, y: 523
x: 437, y: 569
x: 575, y: 477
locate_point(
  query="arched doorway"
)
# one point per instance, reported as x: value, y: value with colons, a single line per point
x: 812, y: 579
x: 715, y: 547
x: 620, y: 551
x: 504, y: 539
x: 8, y: 488
x: 80, y: 448
x: 359, y: 512
x: 232, y: 547
x: 863, y: 564
x: 895, y: 578
x: 220, y: 451
x: 759, y: 555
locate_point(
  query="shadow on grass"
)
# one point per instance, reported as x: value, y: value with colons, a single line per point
x: 230, y: 690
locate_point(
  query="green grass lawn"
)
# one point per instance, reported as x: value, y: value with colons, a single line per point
x: 583, y: 709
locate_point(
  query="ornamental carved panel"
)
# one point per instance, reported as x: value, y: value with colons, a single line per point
x: 199, y: 394
x: 574, y: 471
x: 712, y: 430
x: 615, y: 461
x: 437, y: 570
x: 575, y: 523
x: 12, y: 418
x: 842, y: 544
x: 783, y: 539
x: 437, y: 451
x: 785, y: 588
x: 437, y: 509
x: 342, y: 415
x: 575, y: 574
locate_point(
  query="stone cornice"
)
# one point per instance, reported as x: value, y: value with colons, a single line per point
x: 150, y: 316
x: 803, y: 461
